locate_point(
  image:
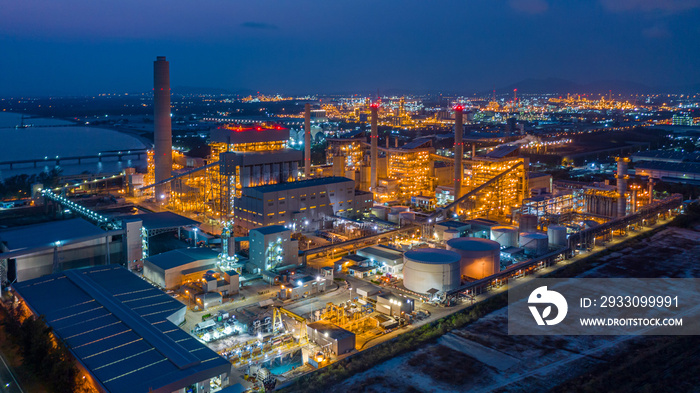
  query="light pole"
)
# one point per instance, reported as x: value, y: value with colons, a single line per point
x: 188, y: 298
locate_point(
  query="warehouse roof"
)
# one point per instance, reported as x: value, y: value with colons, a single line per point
x: 48, y: 233
x: 300, y: 184
x: 382, y: 252
x: 182, y: 256
x: 332, y: 331
x: 680, y: 167
x: 666, y: 155
x: 162, y: 220
x: 453, y: 224
x: 117, y: 326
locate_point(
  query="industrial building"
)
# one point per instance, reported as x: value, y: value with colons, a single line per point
x: 123, y: 331
x: 479, y: 258
x: 302, y: 205
x: 387, y: 259
x: 395, y: 306
x: 175, y: 268
x: 36, y: 250
x: 331, y: 338
x: 433, y: 269
x: 272, y: 248
x: 504, y: 194
x: 299, y: 287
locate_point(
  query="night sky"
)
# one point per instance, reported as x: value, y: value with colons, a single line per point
x: 50, y: 47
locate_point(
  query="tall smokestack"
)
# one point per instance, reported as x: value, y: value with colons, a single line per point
x: 622, y: 186
x: 163, y: 135
x: 459, y: 151
x: 307, y: 140
x: 373, y: 150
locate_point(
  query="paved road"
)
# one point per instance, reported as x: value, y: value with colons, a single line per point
x: 8, y: 382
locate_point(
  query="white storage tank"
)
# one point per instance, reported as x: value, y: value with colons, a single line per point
x: 428, y: 268
x: 479, y: 258
x: 379, y: 212
x: 557, y: 235
x: 393, y: 217
x: 505, y: 236
x: 528, y: 223
x: 534, y: 243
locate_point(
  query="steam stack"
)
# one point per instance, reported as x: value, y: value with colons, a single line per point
x: 622, y: 185
x: 163, y: 135
x: 374, y: 151
x: 459, y: 151
x: 307, y: 140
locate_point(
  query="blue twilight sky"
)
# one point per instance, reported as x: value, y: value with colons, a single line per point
x: 300, y: 46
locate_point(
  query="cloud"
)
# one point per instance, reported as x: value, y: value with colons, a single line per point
x: 531, y: 7
x: 656, y: 31
x: 259, y: 25
x: 671, y: 6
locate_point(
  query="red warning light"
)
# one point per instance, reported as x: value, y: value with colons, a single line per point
x: 458, y: 108
x: 374, y: 105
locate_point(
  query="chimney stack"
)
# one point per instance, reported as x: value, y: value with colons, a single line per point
x: 307, y: 140
x: 459, y: 152
x: 163, y: 135
x: 373, y: 150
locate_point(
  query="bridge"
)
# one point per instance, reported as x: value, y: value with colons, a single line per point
x: 79, y: 159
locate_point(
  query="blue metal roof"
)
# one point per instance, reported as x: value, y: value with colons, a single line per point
x: 116, y: 325
x: 48, y: 233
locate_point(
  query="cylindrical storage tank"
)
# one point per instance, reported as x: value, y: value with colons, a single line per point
x: 407, y: 216
x: 534, y: 244
x: 528, y: 223
x: 557, y: 235
x: 450, y: 234
x: 479, y: 258
x: 393, y: 217
x: 428, y: 268
x: 379, y: 212
x: 505, y: 236
x: 399, y: 209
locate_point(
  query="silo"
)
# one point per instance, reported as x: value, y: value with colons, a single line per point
x: 505, y: 236
x: 393, y: 217
x: 379, y: 212
x: 528, y: 223
x: 557, y: 235
x: 431, y: 268
x: 535, y: 244
x: 406, y: 217
x: 479, y: 258
x: 399, y: 209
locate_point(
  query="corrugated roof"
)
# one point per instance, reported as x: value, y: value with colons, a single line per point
x: 381, y: 252
x: 333, y: 331
x: 48, y: 233
x: 179, y: 257
x: 681, y: 167
x: 116, y: 325
x: 162, y: 220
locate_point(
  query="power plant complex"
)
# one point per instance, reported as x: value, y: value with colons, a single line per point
x: 285, y: 208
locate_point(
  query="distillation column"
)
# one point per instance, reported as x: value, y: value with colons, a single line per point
x: 163, y: 136
x: 307, y: 140
x: 459, y: 152
x: 373, y: 150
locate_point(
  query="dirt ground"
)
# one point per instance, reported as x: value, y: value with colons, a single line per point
x: 482, y: 357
